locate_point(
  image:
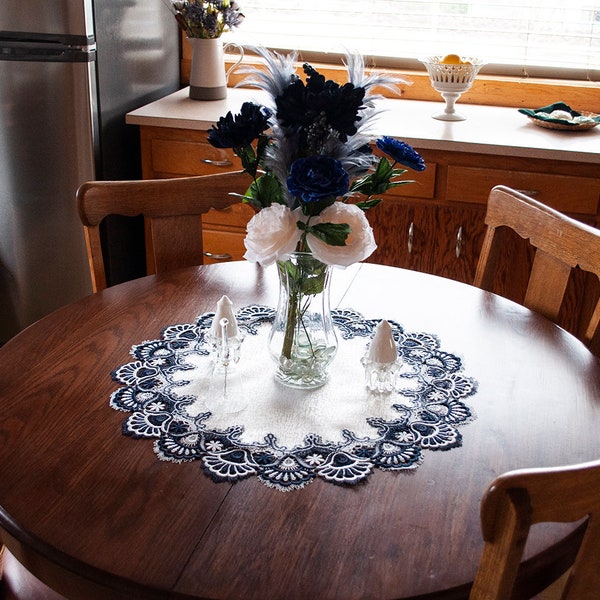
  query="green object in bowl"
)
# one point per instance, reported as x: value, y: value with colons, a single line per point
x: 543, y: 117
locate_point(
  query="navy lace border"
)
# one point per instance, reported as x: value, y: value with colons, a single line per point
x: 427, y: 417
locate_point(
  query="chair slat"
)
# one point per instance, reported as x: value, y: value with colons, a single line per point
x: 547, y: 284
x: 176, y: 243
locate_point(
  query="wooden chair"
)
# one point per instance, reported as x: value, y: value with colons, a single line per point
x: 172, y: 210
x: 519, y: 499
x: 560, y: 243
x: 17, y: 583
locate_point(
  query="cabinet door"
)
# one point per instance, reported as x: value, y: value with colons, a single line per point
x: 404, y: 233
x: 458, y: 238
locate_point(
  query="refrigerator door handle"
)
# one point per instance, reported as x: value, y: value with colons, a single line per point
x: 45, y: 51
x: 64, y: 39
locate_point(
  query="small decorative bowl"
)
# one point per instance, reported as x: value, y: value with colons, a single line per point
x: 561, y: 116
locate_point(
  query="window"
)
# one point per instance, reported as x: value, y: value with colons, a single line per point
x: 557, y: 38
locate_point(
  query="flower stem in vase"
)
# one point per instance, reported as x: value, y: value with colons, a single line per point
x: 302, y: 341
x: 290, y: 326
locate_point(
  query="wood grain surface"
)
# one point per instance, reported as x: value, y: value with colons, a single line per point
x: 95, y: 514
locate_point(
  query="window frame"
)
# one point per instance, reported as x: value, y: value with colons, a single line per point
x: 487, y: 89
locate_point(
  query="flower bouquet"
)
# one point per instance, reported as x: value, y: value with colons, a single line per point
x: 313, y: 177
x: 206, y: 19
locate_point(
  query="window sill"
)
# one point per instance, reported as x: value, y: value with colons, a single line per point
x: 487, y: 90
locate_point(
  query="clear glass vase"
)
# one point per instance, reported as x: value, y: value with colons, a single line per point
x: 302, y: 340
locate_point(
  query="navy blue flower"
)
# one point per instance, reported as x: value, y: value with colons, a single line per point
x: 240, y: 130
x: 317, y: 178
x: 401, y: 152
x: 319, y: 106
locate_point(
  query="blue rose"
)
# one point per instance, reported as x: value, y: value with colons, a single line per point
x: 317, y: 179
x: 401, y: 152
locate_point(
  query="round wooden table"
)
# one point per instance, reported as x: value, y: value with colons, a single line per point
x: 95, y: 514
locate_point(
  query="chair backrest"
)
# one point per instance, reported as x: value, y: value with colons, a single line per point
x: 172, y: 210
x: 519, y: 499
x: 560, y: 243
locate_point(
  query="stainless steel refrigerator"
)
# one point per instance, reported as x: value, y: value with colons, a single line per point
x: 69, y: 72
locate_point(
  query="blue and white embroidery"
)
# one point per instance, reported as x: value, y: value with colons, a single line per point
x: 428, y: 418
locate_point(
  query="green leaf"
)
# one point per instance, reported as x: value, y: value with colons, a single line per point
x: 265, y: 191
x: 313, y: 284
x: 242, y: 197
x: 261, y: 146
x: 394, y: 184
x: 311, y: 209
x: 370, y: 203
x: 304, y: 279
x: 383, y: 171
x: 334, y: 234
x: 398, y: 172
x: 362, y: 185
x: 379, y: 181
x: 248, y: 159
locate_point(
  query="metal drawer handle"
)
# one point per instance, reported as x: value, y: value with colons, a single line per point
x: 217, y: 163
x: 217, y: 256
x: 411, y: 231
x: 459, y: 240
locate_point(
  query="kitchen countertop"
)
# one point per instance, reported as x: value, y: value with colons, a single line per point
x: 487, y: 129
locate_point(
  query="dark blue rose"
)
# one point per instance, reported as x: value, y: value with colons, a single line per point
x: 317, y: 178
x: 401, y: 152
x: 240, y: 130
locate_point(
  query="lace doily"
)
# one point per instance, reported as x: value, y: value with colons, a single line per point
x: 287, y: 437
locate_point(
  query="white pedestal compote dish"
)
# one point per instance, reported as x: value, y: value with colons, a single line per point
x: 451, y: 75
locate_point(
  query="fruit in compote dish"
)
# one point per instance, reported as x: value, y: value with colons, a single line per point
x: 451, y: 59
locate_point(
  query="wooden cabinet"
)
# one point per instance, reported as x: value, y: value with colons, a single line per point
x: 416, y: 229
x: 441, y: 231
x: 404, y: 223
x: 428, y: 238
x: 435, y: 225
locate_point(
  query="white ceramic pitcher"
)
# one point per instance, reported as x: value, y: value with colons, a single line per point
x: 208, y: 78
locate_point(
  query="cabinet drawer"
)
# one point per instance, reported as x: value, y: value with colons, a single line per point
x: 191, y: 158
x: 563, y: 192
x: 223, y: 245
x: 423, y: 186
x: 236, y: 215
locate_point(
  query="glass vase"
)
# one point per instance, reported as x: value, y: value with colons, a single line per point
x: 303, y: 341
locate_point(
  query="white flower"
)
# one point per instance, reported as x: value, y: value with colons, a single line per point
x: 271, y: 234
x: 360, y: 244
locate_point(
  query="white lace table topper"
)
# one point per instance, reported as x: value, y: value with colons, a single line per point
x: 249, y: 424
